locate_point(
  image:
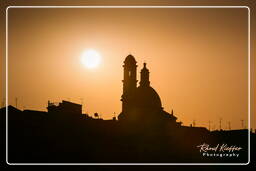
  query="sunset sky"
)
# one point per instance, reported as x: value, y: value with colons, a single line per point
x: 198, y: 59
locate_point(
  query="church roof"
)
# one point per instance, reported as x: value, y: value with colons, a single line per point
x: 130, y: 59
x: 147, y: 97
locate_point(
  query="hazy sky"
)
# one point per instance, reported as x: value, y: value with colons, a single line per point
x: 198, y: 59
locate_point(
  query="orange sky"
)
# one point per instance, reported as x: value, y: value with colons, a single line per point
x: 197, y: 58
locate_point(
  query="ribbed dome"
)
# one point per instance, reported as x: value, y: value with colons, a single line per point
x: 147, y: 97
x: 130, y: 59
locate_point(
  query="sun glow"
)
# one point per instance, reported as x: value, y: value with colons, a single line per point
x: 91, y: 59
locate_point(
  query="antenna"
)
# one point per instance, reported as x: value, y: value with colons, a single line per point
x: 16, y: 102
x: 3, y: 103
x: 242, y: 123
x: 82, y: 103
x: 209, y: 125
x: 114, y: 118
x: 220, y: 123
x: 194, y: 123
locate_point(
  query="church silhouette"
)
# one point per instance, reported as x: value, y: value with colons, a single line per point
x: 143, y: 133
x: 142, y: 103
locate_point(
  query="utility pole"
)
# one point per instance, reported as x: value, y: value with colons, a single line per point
x: 229, y: 125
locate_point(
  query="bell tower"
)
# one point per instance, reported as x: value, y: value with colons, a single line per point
x: 129, y: 83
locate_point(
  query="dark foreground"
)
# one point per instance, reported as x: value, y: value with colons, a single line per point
x: 37, y: 137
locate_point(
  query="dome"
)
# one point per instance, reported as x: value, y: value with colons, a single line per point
x: 147, y: 97
x: 130, y: 59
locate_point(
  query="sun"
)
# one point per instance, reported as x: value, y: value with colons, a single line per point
x: 91, y: 59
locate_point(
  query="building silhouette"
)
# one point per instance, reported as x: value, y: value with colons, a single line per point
x: 142, y: 103
x: 63, y: 134
x: 64, y: 107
